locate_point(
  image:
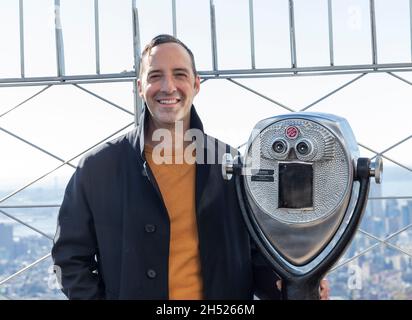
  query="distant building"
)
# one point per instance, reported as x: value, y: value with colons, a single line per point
x: 6, y: 241
x: 393, y: 216
x: 6, y: 235
x: 408, y: 212
x: 406, y: 216
x: 375, y: 206
x: 374, y: 219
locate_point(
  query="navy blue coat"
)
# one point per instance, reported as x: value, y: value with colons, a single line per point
x: 112, y: 239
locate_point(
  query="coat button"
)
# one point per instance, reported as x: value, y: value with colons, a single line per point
x: 151, y: 274
x: 149, y: 228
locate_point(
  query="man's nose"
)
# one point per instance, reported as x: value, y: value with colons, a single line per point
x: 168, y: 85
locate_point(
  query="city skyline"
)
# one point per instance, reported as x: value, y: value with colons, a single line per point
x: 359, y: 279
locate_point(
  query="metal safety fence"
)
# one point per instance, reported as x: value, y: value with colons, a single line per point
x: 378, y: 234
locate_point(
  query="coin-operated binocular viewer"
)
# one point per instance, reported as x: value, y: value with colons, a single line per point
x: 302, y: 189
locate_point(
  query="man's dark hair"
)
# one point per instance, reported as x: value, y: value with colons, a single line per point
x: 165, y: 38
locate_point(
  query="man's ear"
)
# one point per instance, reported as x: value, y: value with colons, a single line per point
x: 139, y: 88
x: 197, y: 84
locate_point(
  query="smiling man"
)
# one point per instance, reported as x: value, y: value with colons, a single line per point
x: 133, y: 227
x: 168, y: 83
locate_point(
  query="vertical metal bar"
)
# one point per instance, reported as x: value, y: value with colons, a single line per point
x: 252, y: 34
x: 138, y: 103
x: 373, y: 31
x: 292, y: 34
x: 97, y: 35
x: 59, y: 39
x: 330, y: 22
x: 213, y: 34
x: 21, y: 24
x: 410, y: 23
x: 174, y: 17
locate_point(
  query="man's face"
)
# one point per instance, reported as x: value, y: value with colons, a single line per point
x: 167, y: 84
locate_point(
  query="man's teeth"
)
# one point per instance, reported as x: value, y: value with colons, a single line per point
x: 169, y: 101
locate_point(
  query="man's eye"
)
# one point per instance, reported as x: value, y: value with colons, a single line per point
x: 154, y: 76
x: 181, y: 75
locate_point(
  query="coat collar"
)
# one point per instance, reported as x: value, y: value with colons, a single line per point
x: 136, y: 139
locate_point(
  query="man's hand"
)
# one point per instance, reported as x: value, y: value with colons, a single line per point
x: 324, y: 289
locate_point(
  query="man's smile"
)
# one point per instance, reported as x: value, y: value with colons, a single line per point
x: 168, y: 101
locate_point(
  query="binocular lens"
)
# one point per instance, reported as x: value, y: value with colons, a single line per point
x: 303, y: 148
x: 279, y: 146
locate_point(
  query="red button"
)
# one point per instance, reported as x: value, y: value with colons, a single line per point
x: 292, y: 132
